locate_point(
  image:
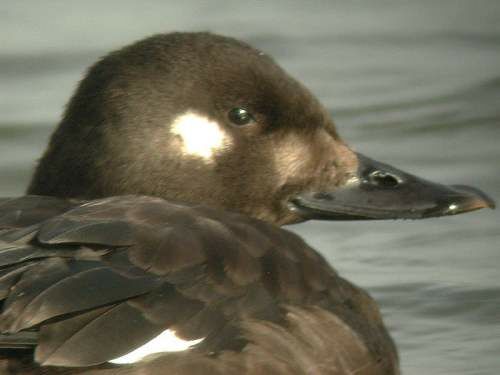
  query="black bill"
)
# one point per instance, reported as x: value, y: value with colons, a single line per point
x: 380, y: 191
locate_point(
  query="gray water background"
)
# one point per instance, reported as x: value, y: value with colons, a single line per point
x: 412, y: 83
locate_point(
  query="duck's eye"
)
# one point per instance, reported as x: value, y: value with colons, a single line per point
x: 240, y: 116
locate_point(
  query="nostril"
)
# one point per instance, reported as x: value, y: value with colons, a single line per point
x: 384, y: 179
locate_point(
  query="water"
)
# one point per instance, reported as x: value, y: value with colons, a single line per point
x: 416, y: 84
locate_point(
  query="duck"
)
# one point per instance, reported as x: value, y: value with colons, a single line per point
x: 158, y: 206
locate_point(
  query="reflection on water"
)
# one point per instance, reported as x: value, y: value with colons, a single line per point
x: 416, y: 84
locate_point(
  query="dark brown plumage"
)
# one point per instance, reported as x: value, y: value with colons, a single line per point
x: 114, y: 137
x: 99, y: 279
x: 128, y: 231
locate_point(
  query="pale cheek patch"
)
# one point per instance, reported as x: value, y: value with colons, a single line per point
x: 166, y: 341
x: 200, y: 136
x: 291, y: 157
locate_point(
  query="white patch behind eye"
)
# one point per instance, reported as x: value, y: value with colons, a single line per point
x: 200, y: 136
x: 166, y: 341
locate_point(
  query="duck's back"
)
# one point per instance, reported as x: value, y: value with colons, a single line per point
x: 83, y: 283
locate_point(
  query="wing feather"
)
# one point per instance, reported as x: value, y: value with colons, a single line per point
x: 99, y: 279
x: 95, y: 336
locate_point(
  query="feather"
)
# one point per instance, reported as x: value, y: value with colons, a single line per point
x: 67, y: 230
x: 94, y: 337
x: 30, y: 209
x: 10, y: 276
x: 68, y: 286
x: 19, y: 340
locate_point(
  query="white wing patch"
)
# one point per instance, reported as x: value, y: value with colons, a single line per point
x: 200, y: 136
x: 166, y: 341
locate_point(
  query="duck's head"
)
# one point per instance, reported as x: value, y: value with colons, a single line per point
x: 203, y: 118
